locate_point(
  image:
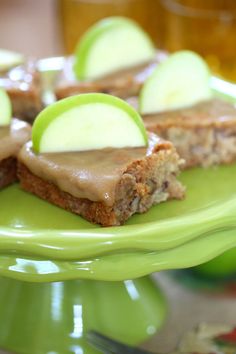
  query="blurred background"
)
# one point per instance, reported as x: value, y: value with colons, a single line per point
x: 30, y: 27
x: 53, y: 27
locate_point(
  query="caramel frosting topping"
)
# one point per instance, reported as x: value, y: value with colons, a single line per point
x: 214, y: 112
x: 125, y: 80
x: 87, y: 174
x: 140, y: 71
x: 12, y: 137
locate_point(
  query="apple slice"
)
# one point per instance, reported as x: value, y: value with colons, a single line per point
x: 182, y: 80
x: 9, y: 59
x: 5, y: 108
x: 88, y: 122
x: 110, y: 45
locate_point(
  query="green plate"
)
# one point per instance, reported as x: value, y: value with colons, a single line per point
x: 40, y: 242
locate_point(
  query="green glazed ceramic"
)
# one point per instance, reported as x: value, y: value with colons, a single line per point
x: 223, y: 266
x: 40, y: 242
x: 52, y: 318
x: 220, y: 268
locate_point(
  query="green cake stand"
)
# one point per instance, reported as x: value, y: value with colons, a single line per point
x: 61, y: 276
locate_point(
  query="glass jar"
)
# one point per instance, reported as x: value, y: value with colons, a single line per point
x: 205, y: 26
x: 78, y: 15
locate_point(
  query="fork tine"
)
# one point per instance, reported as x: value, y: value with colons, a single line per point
x: 111, y: 346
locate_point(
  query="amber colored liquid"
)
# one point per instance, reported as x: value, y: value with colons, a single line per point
x: 78, y: 15
x: 205, y: 26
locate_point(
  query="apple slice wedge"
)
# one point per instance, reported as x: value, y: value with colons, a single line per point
x: 88, y: 122
x: 9, y: 59
x: 182, y: 80
x: 110, y: 45
x: 5, y: 108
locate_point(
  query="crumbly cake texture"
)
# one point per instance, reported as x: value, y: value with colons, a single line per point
x: 145, y: 182
x: 122, y: 84
x: 23, y: 86
x: 8, y: 173
x: 204, y: 134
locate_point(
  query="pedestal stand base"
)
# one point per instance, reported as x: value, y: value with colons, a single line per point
x: 53, y: 318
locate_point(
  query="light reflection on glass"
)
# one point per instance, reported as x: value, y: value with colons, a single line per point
x: 16, y: 74
x: 17, y: 222
x: 24, y: 86
x: 38, y: 267
x: 51, y: 64
x: 57, y: 297
x: 130, y: 287
x: 18, y: 226
x: 78, y: 322
x: 76, y: 350
x: 151, y: 330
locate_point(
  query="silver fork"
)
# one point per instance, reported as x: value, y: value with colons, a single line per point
x: 110, y: 346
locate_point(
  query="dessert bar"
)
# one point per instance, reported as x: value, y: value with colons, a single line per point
x: 23, y: 86
x: 11, y: 139
x: 203, y: 134
x: 104, y: 186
